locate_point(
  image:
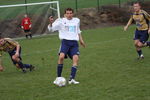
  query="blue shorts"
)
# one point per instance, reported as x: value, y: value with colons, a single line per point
x: 69, y: 48
x: 13, y: 52
x: 141, y: 35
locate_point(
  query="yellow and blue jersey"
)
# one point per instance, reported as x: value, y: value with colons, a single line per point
x: 141, y: 19
x: 8, y: 46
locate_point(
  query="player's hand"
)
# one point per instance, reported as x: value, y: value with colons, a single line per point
x: 51, y: 19
x: 30, y: 26
x: 16, y: 55
x: 125, y: 28
x: 64, y: 15
x: 1, y: 68
x: 149, y: 31
x: 22, y: 27
x: 83, y: 44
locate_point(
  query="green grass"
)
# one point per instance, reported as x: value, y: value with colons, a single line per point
x: 108, y: 69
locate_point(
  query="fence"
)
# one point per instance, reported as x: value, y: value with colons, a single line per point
x: 76, y: 4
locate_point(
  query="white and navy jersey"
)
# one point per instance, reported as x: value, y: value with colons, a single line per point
x: 68, y: 29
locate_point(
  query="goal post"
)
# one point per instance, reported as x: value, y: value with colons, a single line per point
x: 12, y: 15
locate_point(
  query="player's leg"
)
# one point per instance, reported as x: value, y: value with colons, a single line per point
x: 75, y: 59
x: 137, y: 36
x: 30, y: 34
x: 142, y: 41
x: 74, y: 54
x: 26, y: 36
x: 60, y: 64
x: 138, y: 48
x: 74, y: 70
x: 145, y: 38
x: 25, y: 32
x: 62, y: 53
x: 18, y: 61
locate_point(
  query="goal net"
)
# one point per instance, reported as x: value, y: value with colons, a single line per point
x: 12, y: 15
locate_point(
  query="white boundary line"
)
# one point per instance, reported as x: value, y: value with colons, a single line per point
x: 34, y: 36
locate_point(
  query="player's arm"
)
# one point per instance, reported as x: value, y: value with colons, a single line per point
x: 17, y: 50
x: 79, y: 33
x: 54, y: 25
x: 147, y: 17
x: 81, y: 40
x: 0, y: 58
x: 22, y: 24
x: 129, y: 23
x: 1, y: 66
x: 30, y: 24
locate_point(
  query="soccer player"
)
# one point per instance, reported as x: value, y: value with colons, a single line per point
x: 69, y: 34
x: 26, y: 26
x: 14, y: 50
x: 142, y: 20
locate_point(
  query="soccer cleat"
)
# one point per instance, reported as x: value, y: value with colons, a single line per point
x: 72, y: 81
x: 24, y: 70
x: 141, y: 57
x: 32, y: 68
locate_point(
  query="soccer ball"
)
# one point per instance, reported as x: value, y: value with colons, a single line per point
x: 60, y: 81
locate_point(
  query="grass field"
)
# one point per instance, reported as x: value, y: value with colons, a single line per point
x: 108, y: 69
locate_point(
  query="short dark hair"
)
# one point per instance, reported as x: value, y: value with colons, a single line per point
x: 137, y: 2
x: 69, y: 9
x: 1, y: 35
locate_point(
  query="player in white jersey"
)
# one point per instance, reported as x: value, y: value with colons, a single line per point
x: 69, y: 34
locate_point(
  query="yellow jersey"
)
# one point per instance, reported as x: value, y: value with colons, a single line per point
x: 8, y: 45
x: 142, y: 19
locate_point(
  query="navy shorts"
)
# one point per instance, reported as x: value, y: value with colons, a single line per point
x: 13, y: 52
x: 26, y: 31
x: 69, y: 48
x: 141, y: 35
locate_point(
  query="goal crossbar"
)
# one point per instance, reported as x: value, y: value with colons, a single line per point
x: 39, y: 3
x: 28, y: 4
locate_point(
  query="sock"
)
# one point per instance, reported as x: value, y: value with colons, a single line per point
x: 59, y: 70
x: 139, y: 52
x: 30, y: 35
x: 73, y: 72
x: 26, y: 36
x: 148, y: 43
x: 21, y: 65
x: 27, y: 65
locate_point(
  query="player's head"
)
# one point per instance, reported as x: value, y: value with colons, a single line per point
x: 0, y: 35
x: 1, y: 39
x: 136, y: 6
x: 51, y: 18
x: 25, y: 15
x: 69, y: 13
